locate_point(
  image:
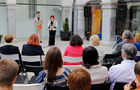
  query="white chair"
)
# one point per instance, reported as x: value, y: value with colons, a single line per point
x: 72, y: 59
x: 27, y: 87
x: 10, y: 56
x: 72, y: 67
x: 36, y: 58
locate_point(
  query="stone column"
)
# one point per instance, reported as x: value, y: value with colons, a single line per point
x: 108, y: 21
x: 11, y: 17
x: 80, y: 20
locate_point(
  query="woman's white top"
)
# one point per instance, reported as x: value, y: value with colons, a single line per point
x: 98, y: 73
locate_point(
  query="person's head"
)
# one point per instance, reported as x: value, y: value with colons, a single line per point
x: 129, y: 51
x: 33, y: 40
x: 137, y: 37
x: 137, y: 70
x: 79, y: 79
x: 53, y: 61
x: 90, y: 57
x: 95, y: 40
x: 126, y: 35
x: 38, y: 13
x: 8, y: 72
x: 8, y: 38
x: 52, y: 17
x: 76, y: 40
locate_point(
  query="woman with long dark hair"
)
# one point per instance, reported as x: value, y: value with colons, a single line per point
x: 98, y: 73
x: 54, y: 74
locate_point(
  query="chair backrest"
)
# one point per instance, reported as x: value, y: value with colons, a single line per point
x: 37, y: 58
x: 27, y: 87
x: 109, y: 58
x: 15, y: 57
x: 102, y: 86
x: 72, y: 67
x: 10, y: 56
x: 31, y: 58
x: 119, y: 85
x: 72, y: 59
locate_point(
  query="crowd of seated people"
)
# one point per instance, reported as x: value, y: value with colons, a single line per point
x: 91, y: 71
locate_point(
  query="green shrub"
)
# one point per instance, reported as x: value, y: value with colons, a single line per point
x: 1, y: 35
x: 66, y: 25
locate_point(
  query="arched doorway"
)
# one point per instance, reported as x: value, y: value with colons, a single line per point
x: 93, y: 16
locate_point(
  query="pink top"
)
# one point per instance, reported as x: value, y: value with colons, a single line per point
x: 73, y: 51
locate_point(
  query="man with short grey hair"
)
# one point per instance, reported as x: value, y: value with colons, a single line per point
x: 124, y: 72
x: 125, y: 37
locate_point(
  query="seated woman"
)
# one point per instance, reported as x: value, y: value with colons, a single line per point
x: 95, y: 41
x: 75, y: 49
x: 53, y: 74
x: 9, y: 48
x: 137, y: 44
x: 99, y: 74
x: 79, y: 79
x: 32, y: 47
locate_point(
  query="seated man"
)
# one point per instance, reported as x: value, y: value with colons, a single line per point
x: 135, y: 85
x: 8, y: 73
x: 124, y: 72
x: 9, y: 48
x: 125, y: 37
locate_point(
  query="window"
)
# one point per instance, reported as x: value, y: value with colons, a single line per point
x: 32, y: 8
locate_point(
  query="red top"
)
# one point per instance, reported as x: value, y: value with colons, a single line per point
x: 73, y: 51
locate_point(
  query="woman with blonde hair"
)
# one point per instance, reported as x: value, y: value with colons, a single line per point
x: 95, y: 41
x: 32, y: 47
x: 137, y: 44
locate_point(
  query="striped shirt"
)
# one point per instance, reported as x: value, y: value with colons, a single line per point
x: 59, y: 81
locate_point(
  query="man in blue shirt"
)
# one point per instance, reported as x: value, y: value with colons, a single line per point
x: 124, y: 72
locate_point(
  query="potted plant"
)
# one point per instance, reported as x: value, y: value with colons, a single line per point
x: 1, y: 37
x: 65, y: 34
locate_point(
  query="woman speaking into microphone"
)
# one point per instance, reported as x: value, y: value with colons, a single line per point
x: 52, y: 25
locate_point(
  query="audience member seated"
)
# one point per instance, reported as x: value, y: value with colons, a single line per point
x: 95, y: 41
x: 9, y: 48
x: 125, y: 37
x: 134, y: 85
x: 53, y: 74
x: 8, y: 73
x: 124, y: 72
x: 98, y: 73
x: 79, y: 79
x: 32, y: 47
x: 75, y: 49
x: 137, y: 44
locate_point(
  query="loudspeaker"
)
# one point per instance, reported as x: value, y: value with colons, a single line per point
x: 87, y: 11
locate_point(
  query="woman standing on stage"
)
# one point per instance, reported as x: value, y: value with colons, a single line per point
x: 52, y: 25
